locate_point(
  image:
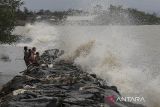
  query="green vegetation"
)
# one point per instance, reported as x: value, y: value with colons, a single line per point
x: 142, y: 18
x: 121, y: 16
x: 113, y: 15
x: 8, y: 9
x: 41, y: 15
x: 58, y: 16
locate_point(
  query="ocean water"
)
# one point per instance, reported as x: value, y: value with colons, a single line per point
x: 125, y: 56
x: 11, y: 62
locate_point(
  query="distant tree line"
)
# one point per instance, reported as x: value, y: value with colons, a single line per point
x: 142, y: 18
x: 58, y: 16
x: 26, y: 15
x: 113, y: 15
x: 129, y: 16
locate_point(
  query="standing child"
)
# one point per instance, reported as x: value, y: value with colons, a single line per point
x: 26, y: 55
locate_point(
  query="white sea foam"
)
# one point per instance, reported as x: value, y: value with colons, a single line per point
x: 108, y: 51
x: 42, y: 34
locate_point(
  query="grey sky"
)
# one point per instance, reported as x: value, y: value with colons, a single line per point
x: 146, y: 5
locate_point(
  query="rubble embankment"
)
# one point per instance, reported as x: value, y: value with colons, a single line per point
x: 60, y: 84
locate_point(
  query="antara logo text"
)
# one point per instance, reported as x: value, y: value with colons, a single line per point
x: 113, y: 99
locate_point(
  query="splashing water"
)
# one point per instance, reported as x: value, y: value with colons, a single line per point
x: 42, y: 34
x: 104, y: 50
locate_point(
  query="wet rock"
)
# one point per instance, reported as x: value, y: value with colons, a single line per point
x: 17, y: 83
x: 50, y: 55
x: 5, y: 58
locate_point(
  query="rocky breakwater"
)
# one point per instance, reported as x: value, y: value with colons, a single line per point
x: 58, y: 83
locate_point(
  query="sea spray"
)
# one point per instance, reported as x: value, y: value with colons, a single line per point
x: 42, y: 35
x: 104, y: 50
x: 109, y: 58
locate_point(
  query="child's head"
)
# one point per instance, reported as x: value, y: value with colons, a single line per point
x: 29, y: 50
x: 34, y: 49
x: 25, y: 48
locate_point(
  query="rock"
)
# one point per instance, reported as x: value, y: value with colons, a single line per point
x: 17, y: 83
x: 5, y: 58
x: 19, y: 91
x: 58, y: 84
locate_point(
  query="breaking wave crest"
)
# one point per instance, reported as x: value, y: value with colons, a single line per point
x: 42, y: 35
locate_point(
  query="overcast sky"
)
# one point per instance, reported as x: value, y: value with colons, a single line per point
x: 145, y: 5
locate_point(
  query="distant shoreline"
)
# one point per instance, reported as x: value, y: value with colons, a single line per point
x: 23, y: 23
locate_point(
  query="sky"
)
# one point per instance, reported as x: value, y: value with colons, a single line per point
x: 144, y: 5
